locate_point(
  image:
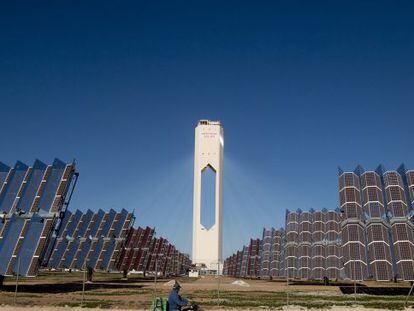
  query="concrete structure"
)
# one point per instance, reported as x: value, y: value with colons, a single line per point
x: 208, y: 156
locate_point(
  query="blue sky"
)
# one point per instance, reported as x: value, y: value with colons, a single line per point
x: 299, y: 86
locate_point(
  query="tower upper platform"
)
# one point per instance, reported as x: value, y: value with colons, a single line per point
x: 208, y: 122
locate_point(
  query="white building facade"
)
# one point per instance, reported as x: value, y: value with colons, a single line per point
x: 208, y: 155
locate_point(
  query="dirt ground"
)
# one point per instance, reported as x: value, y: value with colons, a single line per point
x: 63, y: 291
x: 290, y: 308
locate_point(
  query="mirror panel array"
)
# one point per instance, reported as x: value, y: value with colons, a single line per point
x: 377, y: 217
x: 143, y: 253
x: 31, y: 202
x: 89, y: 240
x: 308, y: 248
x: 371, y: 236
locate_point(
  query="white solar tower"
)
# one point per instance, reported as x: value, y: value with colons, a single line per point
x: 208, y: 159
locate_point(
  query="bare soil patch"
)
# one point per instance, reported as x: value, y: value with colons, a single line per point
x: 56, y: 291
